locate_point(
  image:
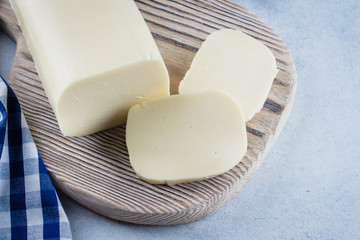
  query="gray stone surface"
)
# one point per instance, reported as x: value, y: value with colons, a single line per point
x: 308, y: 186
x: 7, y: 52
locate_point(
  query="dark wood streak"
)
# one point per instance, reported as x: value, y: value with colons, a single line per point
x: 241, y: 11
x: 27, y: 56
x: 182, y: 16
x: 104, y: 138
x: 175, y: 42
x: 177, y: 22
x: 27, y: 82
x: 174, y: 30
x: 255, y: 132
x: 33, y: 95
x: 273, y: 106
x: 281, y: 83
x: 230, y: 5
x: 28, y: 70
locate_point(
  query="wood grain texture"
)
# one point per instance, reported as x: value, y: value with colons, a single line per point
x: 95, y: 170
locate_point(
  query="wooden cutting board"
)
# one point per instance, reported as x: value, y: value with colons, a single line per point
x: 95, y: 170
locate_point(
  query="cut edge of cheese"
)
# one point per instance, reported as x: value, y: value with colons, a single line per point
x: 83, y: 98
x: 163, y: 130
x: 234, y: 62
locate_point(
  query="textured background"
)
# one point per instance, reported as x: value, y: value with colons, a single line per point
x: 309, y: 185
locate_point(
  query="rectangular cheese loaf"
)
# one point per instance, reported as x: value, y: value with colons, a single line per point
x: 95, y: 59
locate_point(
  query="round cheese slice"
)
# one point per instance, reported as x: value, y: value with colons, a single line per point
x: 234, y: 62
x: 188, y: 137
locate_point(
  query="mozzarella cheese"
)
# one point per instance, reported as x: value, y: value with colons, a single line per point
x: 187, y: 137
x: 234, y: 62
x: 95, y: 59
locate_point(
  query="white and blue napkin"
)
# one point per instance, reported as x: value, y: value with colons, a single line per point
x: 29, y: 205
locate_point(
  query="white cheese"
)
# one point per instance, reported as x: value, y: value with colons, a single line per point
x: 234, y: 62
x: 186, y: 137
x: 95, y: 59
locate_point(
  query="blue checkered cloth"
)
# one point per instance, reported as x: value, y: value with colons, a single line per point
x: 29, y: 205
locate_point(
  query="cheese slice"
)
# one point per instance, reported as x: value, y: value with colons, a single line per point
x: 234, y: 62
x: 185, y: 138
x: 95, y: 59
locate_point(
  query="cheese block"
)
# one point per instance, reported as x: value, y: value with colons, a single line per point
x: 185, y: 138
x: 234, y: 62
x: 95, y: 59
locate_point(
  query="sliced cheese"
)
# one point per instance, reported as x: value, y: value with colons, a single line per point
x: 95, y: 59
x: 185, y: 138
x: 234, y: 62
